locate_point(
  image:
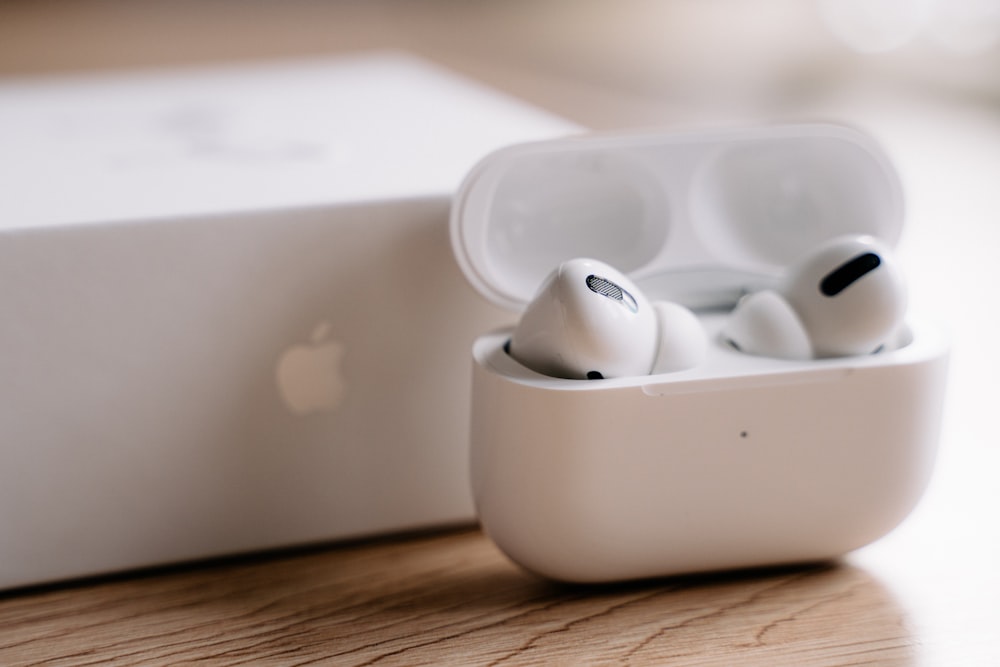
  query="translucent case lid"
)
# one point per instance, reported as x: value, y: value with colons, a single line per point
x: 698, y: 217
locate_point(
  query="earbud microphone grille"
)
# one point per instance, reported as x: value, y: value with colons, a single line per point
x: 605, y: 287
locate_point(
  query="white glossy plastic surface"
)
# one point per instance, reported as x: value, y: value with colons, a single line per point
x: 745, y: 461
x: 742, y: 460
x: 572, y: 330
x: 693, y: 217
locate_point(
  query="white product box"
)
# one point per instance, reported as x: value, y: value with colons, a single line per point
x: 742, y: 460
x: 231, y: 315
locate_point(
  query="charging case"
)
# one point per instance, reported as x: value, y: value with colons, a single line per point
x: 741, y: 462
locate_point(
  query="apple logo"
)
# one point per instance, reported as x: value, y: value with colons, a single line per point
x: 309, y: 375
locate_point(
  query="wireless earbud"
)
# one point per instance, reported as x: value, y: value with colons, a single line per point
x: 589, y: 321
x: 847, y: 298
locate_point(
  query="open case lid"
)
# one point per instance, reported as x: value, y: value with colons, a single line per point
x: 698, y: 217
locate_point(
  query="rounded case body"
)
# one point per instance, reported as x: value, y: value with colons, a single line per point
x: 731, y: 465
x: 741, y: 462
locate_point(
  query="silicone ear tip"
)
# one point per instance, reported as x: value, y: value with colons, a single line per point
x: 683, y: 342
x: 765, y: 324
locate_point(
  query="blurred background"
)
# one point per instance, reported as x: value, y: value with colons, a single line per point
x: 603, y: 63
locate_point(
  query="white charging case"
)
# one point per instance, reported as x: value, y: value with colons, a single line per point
x: 741, y: 462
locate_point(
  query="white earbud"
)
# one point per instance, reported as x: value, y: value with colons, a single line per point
x: 847, y: 298
x: 588, y: 320
x: 765, y: 324
x: 683, y: 342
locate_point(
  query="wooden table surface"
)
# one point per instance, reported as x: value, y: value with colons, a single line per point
x: 927, y: 594
x: 453, y: 598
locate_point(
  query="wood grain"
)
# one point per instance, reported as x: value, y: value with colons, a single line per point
x: 450, y: 598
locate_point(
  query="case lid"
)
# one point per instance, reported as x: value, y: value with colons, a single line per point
x: 698, y: 217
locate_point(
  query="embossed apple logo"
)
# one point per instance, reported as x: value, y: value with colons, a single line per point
x: 309, y: 376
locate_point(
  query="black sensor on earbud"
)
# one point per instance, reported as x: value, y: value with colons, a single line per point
x: 848, y: 273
